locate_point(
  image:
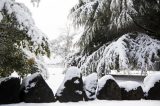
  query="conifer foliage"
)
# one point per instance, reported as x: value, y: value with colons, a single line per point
x: 105, y: 20
x: 20, y: 40
x: 118, y: 35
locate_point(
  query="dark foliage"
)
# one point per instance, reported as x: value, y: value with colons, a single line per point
x: 9, y: 91
x: 136, y: 94
x: 72, y: 92
x: 110, y: 91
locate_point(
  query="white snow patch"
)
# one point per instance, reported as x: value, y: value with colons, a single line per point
x: 55, y: 77
x: 78, y: 92
x: 72, y: 72
x: 95, y: 103
x: 150, y: 80
x: 129, y: 85
x: 1, y: 16
x: 76, y: 82
x: 2, y: 80
x: 14, y: 74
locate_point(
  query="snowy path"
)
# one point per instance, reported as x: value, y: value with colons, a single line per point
x: 56, y: 77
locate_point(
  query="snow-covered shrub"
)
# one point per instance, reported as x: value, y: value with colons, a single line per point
x: 18, y: 30
x: 131, y: 90
x: 90, y: 86
x: 9, y: 90
x: 152, y: 86
x: 34, y: 89
x: 131, y: 51
x: 108, y: 89
x: 71, y: 89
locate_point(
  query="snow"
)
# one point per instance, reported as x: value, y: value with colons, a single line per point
x: 2, y: 80
x: 24, y: 19
x: 129, y: 53
x: 94, y: 103
x: 15, y: 74
x: 35, y: 43
x: 90, y: 83
x: 26, y: 81
x: 103, y: 80
x: 129, y: 85
x: 1, y: 16
x: 72, y: 72
x: 150, y: 80
x: 56, y: 78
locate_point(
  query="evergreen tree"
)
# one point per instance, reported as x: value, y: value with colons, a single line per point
x: 118, y: 35
x: 106, y: 20
x: 63, y: 45
x: 21, y: 41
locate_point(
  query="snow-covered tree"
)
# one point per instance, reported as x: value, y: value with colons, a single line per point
x: 118, y: 34
x: 63, y: 45
x: 20, y: 38
x: 35, y: 2
x: 105, y: 20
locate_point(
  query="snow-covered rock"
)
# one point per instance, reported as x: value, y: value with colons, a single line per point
x: 90, y: 86
x: 152, y: 86
x: 108, y: 89
x: 131, y: 51
x: 71, y: 89
x: 9, y: 90
x: 35, y: 90
x: 131, y: 90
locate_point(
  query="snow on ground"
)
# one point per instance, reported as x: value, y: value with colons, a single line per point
x: 94, y: 103
x: 56, y: 78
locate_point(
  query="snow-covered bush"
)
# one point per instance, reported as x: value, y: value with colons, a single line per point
x: 34, y: 89
x: 18, y: 30
x: 71, y: 89
x: 131, y: 90
x: 108, y: 89
x: 152, y: 86
x: 131, y: 51
x: 90, y: 86
x: 9, y: 90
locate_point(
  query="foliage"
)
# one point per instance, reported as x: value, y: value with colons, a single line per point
x: 132, y: 51
x: 63, y: 45
x: 20, y: 40
x: 106, y: 20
